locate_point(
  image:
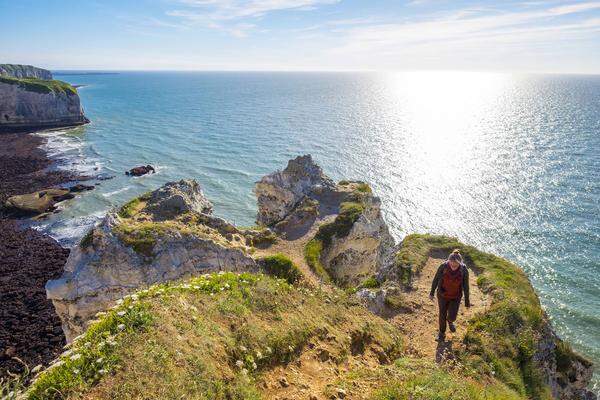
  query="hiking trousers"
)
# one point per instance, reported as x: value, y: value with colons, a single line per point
x: 448, y: 309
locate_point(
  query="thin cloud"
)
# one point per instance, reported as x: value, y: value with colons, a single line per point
x: 222, y: 14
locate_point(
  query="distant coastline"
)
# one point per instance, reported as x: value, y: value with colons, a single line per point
x: 69, y: 73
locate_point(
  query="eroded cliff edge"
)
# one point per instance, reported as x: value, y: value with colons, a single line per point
x: 508, y: 350
x: 31, y: 100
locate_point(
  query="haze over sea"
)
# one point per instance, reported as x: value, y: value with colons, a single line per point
x: 510, y: 164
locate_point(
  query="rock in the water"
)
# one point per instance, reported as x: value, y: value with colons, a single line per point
x: 80, y: 187
x: 280, y: 192
x: 141, y: 170
x: 38, y: 202
x: 165, y: 235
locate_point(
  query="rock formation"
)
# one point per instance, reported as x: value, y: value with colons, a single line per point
x: 280, y: 192
x: 355, y: 245
x: 28, y: 103
x: 24, y: 71
x: 38, y: 202
x: 163, y: 236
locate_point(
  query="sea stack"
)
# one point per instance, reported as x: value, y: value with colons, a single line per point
x: 30, y: 99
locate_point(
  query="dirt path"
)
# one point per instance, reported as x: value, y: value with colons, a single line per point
x: 420, y: 324
x: 294, y: 249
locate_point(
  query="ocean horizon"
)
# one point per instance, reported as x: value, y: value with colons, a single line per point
x: 507, y: 163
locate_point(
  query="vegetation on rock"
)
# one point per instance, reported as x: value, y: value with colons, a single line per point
x: 282, y: 267
x: 40, y: 85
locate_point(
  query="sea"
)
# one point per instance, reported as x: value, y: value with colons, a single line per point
x: 507, y: 163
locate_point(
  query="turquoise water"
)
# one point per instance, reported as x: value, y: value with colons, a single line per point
x: 510, y: 164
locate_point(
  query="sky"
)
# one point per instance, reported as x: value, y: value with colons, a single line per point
x: 330, y: 35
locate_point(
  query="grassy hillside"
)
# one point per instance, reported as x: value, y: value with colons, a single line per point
x: 253, y: 336
x: 40, y: 85
x: 502, y: 341
x: 230, y: 336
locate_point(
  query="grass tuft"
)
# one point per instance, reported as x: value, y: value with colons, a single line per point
x: 281, y: 266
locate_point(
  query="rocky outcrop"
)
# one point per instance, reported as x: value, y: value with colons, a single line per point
x: 355, y: 245
x: 24, y: 71
x: 38, y: 202
x: 567, y: 373
x: 367, y: 248
x: 141, y: 170
x: 162, y: 236
x: 28, y: 104
x: 280, y: 192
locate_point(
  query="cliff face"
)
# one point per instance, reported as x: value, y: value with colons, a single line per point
x: 30, y: 103
x: 165, y: 235
x: 24, y: 71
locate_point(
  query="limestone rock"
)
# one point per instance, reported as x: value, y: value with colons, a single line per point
x: 280, y: 192
x: 123, y: 254
x: 384, y: 301
x: 176, y: 198
x: 24, y: 71
x: 366, y: 249
x: 568, y: 377
x: 37, y: 202
x: 30, y: 100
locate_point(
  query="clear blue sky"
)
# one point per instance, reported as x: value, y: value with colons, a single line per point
x: 544, y: 36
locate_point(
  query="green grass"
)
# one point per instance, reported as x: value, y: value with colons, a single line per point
x: 87, y: 239
x: 502, y: 340
x: 282, y: 267
x: 412, y: 379
x: 312, y: 255
x: 40, y: 85
x: 210, y: 337
x: 369, y: 283
x: 132, y: 207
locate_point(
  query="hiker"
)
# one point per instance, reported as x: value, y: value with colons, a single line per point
x: 451, y: 281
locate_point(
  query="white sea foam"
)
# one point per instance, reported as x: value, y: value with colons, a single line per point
x: 110, y: 194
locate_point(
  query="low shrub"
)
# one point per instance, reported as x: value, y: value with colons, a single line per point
x: 281, y: 266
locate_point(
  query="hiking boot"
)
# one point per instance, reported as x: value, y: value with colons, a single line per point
x: 441, y: 337
x: 452, y: 327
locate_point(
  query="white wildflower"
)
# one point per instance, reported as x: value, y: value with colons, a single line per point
x: 134, y: 297
x: 99, y: 360
x: 239, y: 363
x: 254, y: 365
x: 269, y: 350
x: 244, y: 371
x: 102, y: 371
x: 121, y: 313
x: 221, y: 289
x: 121, y: 327
x: 290, y: 348
x: 120, y: 301
x: 243, y: 349
x: 75, y: 357
x: 221, y: 272
x: 258, y: 354
x: 227, y: 286
x: 75, y: 371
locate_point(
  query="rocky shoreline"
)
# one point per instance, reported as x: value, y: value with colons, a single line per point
x: 29, y: 327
